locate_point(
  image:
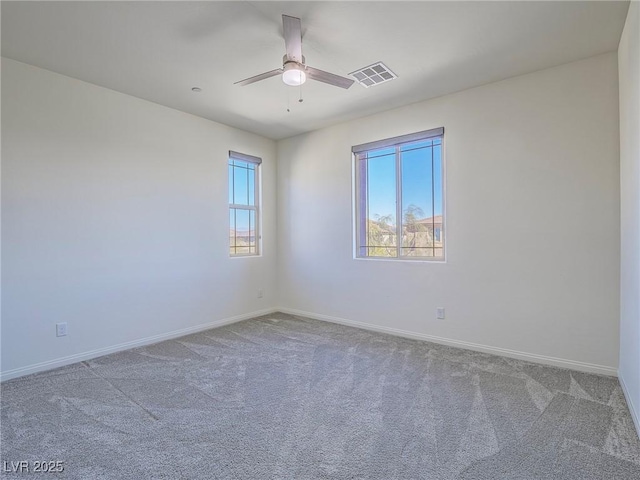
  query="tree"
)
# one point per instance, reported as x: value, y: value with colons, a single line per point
x: 411, y: 227
x: 381, y: 236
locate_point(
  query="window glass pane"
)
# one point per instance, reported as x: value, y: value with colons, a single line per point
x: 439, y: 200
x: 243, y: 220
x: 417, y: 200
x: 242, y: 230
x: 437, y: 179
x: 232, y: 230
x: 252, y: 230
x: 380, y: 236
x: 405, y: 147
x: 231, y: 182
x: 252, y: 186
x: 241, y: 192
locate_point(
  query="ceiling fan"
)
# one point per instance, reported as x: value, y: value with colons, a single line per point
x: 294, y: 71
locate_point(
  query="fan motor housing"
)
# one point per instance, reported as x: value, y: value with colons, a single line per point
x: 286, y: 59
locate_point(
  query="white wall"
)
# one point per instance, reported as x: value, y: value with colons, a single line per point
x: 115, y: 220
x: 532, y: 177
x: 629, y: 74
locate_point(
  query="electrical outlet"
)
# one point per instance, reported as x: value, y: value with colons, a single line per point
x: 260, y: 293
x: 61, y: 329
x: 440, y: 313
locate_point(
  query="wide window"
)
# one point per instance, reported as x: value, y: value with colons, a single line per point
x: 400, y: 197
x: 244, y: 207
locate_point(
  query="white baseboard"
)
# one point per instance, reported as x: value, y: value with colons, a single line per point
x: 530, y: 357
x: 79, y: 357
x: 632, y: 408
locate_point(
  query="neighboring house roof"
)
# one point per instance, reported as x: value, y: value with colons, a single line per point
x: 437, y: 220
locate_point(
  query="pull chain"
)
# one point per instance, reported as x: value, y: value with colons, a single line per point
x: 300, y: 99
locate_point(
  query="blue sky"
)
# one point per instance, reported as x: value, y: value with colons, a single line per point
x: 416, y: 179
x: 416, y: 182
x: 241, y: 183
x: 242, y: 192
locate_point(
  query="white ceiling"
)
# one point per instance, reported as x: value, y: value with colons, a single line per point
x: 159, y: 50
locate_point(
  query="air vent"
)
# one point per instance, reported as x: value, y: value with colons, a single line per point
x: 373, y: 75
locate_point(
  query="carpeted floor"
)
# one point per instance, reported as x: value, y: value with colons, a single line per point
x: 282, y: 397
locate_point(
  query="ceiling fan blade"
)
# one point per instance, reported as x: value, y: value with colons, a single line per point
x: 257, y: 78
x: 292, y: 37
x: 330, y: 78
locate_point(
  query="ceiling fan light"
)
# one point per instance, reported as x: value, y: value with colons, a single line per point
x: 293, y: 74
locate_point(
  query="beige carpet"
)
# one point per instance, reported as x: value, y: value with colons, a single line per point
x: 281, y: 397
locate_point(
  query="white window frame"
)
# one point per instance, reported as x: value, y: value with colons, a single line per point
x: 257, y: 161
x: 359, y: 252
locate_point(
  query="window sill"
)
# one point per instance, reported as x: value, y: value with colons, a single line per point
x: 403, y: 260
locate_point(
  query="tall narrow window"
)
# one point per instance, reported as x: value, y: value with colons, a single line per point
x: 244, y: 207
x: 400, y: 197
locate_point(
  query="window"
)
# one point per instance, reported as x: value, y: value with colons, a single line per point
x: 244, y: 208
x: 400, y: 197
